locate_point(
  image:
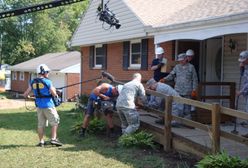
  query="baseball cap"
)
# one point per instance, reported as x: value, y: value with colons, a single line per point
x: 181, y: 57
x: 243, y: 56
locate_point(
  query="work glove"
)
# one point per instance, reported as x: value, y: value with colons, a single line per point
x: 193, y: 94
x: 162, y: 80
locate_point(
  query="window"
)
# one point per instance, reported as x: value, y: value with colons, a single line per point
x: 33, y: 76
x: 14, y: 75
x: 21, y: 76
x: 99, y: 55
x: 135, y: 54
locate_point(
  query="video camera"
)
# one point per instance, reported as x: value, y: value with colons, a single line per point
x: 107, y: 16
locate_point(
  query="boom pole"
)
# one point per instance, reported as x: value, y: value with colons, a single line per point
x: 36, y: 8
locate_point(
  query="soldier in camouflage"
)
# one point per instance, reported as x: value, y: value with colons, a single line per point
x: 243, y: 59
x: 126, y: 107
x: 186, y: 80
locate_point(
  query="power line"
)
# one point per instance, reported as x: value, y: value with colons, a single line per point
x: 36, y: 8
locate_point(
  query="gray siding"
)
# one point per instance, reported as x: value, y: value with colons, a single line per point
x: 90, y: 30
x: 231, y: 71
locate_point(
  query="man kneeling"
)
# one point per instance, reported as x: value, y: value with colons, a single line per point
x: 105, y: 92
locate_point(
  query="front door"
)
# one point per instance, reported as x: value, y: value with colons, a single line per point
x: 213, y: 64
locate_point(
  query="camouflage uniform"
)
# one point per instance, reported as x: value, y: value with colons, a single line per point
x: 158, y: 102
x: 185, y: 82
x: 126, y: 106
x: 244, y: 90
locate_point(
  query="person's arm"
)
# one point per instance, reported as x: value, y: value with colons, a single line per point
x: 155, y: 65
x: 98, y: 91
x: 29, y: 89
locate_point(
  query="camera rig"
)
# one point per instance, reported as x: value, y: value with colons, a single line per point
x: 104, y: 14
x: 107, y: 16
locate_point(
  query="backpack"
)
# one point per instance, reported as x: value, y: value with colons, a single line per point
x: 56, y: 99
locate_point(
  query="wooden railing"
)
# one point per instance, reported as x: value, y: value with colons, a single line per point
x: 215, y: 130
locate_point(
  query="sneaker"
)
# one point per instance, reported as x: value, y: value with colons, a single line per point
x: 159, y: 121
x: 56, y: 142
x: 245, y: 135
x: 40, y: 144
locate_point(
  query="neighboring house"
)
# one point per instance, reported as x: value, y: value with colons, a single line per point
x: 215, y: 30
x: 65, y: 70
x: 5, y: 77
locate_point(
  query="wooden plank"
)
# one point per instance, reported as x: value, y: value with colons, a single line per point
x: 216, y: 97
x: 234, y: 137
x: 234, y: 113
x: 196, y: 103
x: 216, y: 128
x: 191, y: 123
x: 167, y: 125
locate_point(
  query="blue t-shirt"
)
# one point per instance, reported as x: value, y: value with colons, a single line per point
x: 157, y: 73
x: 108, y: 93
x: 42, y: 102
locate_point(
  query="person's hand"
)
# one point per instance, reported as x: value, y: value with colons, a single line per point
x: 160, y: 64
x: 193, y: 94
x: 162, y: 80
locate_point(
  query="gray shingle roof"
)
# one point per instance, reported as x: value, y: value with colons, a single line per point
x: 55, y: 61
x: 167, y: 12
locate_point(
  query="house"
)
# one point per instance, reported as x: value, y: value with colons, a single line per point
x: 65, y: 70
x: 215, y: 30
x: 4, y: 77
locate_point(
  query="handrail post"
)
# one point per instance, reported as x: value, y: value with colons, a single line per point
x: 215, y: 128
x: 167, y: 123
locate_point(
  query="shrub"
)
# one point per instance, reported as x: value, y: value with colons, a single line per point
x: 222, y: 160
x: 139, y: 139
x: 96, y: 126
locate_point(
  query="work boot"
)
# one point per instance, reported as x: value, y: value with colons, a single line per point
x: 160, y: 121
x: 81, y: 133
x: 56, y: 142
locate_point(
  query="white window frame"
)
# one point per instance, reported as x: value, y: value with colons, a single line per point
x: 21, y: 76
x: 134, y: 66
x: 14, y: 75
x: 33, y: 75
x: 97, y: 66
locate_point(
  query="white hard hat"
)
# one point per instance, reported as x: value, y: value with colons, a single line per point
x: 42, y: 69
x: 243, y: 56
x: 159, y: 50
x: 190, y: 52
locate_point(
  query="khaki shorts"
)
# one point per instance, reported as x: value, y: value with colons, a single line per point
x: 49, y: 114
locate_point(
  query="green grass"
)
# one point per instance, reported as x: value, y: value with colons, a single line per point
x: 18, y: 138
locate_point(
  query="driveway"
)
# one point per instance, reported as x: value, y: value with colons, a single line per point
x: 12, y: 103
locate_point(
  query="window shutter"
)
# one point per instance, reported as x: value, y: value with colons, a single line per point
x: 91, y: 57
x: 126, y: 51
x: 144, y: 54
x: 104, y: 65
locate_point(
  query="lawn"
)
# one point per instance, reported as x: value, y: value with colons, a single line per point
x: 18, y: 138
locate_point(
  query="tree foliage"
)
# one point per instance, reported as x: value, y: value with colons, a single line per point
x: 32, y: 35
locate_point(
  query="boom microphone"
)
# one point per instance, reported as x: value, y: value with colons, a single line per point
x: 108, y: 76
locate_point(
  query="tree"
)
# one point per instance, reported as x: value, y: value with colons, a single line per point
x: 31, y: 35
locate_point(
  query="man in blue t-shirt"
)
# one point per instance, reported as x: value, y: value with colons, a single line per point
x: 104, y: 92
x: 44, y: 91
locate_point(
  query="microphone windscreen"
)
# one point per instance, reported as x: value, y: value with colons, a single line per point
x: 108, y: 75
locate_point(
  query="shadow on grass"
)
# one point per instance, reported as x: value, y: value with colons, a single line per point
x: 13, y: 146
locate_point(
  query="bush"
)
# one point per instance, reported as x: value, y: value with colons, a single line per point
x: 222, y: 160
x: 96, y: 126
x: 140, y: 139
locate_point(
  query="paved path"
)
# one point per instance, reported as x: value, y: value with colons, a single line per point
x: 13, y: 103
